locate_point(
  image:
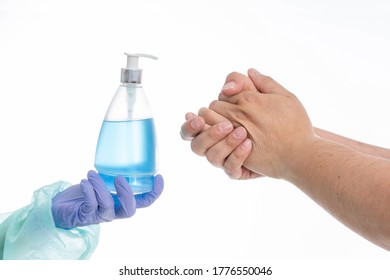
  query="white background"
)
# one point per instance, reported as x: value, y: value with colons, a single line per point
x: 60, y: 66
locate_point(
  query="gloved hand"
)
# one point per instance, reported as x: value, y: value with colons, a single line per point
x: 90, y: 203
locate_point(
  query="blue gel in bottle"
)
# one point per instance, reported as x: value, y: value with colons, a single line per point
x: 127, y: 143
x: 127, y: 148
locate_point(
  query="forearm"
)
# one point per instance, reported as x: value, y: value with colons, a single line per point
x: 359, y: 146
x: 4, y: 224
x: 25, y: 233
x: 352, y: 186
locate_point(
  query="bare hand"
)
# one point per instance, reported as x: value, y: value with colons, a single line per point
x: 276, y: 122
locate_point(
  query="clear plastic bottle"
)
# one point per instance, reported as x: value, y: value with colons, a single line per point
x: 127, y: 143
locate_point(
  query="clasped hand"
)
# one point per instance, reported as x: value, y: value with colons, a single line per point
x: 253, y: 130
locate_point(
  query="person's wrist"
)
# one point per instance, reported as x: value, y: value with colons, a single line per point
x: 298, y: 157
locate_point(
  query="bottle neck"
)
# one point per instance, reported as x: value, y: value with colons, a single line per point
x: 132, y: 85
x: 131, y: 76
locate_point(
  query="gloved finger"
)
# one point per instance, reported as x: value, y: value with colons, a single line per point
x: 126, y: 198
x: 90, y: 203
x: 104, y: 200
x: 103, y: 197
x: 146, y: 199
x: 69, y: 195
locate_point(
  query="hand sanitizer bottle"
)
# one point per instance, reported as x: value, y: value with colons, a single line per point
x: 127, y: 140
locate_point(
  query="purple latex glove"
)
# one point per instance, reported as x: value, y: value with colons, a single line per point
x: 90, y: 203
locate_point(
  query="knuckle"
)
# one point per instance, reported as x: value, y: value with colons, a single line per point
x: 239, y: 116
x: 110, y: 204
x: 214, y: 160
x: 207, y: 115
x: 210, y: 116
x: 249, y: 97
x: 127, y: 211
x: 230, y: 141
x: 240, y: 153
x: 233, y: 76
x: 129, y: 214
x: 107, y: 219
x: 213, y: 105
x: 195, y: 147
x: 93, y: 206
x: 292, y: 95
x: 230, y: 170
x: 267, y: 80
x: 270, y: 83
x: 203, y: 111
x: 215, y: 133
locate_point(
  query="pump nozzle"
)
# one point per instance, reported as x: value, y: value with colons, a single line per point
x: 132, y: 74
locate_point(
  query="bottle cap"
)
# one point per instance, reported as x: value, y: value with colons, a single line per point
x: 132, y: 73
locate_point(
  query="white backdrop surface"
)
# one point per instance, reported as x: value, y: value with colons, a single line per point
x: 60, y: 66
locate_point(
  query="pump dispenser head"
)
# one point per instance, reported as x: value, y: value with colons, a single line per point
x: 132, y: 74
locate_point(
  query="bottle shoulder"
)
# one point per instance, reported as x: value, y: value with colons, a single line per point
x: 129, y: 103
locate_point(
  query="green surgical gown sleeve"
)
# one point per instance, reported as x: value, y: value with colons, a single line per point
x: 30, y: 232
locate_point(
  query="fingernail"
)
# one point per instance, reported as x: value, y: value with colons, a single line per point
x: 190, y: 116
x: 225, y: 127
x: 196, y: 123
x: 247, y: 143
x: 253, y: 72
x: 229, y: 85
x: 239, y: 132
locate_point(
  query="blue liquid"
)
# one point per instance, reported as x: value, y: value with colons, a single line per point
x: 127, y: 148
